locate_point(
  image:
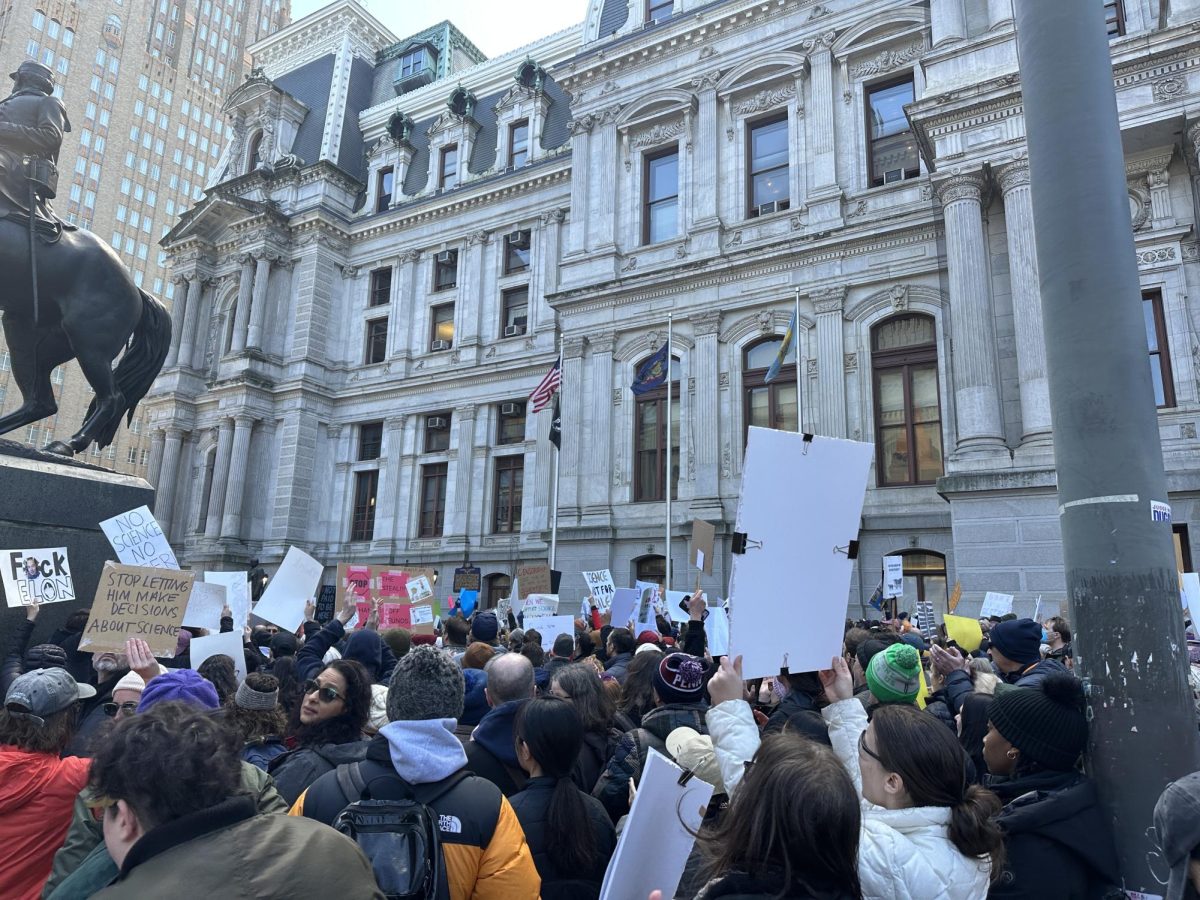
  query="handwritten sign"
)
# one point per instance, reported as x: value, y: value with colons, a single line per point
x: 538, y: 605
x: 996, y: 604
x: 37, y: 576
x: 393, y: 583
x: 326, y: 603
x: 601, y: 587
x: 533, y: 578
x: 137, y: 602
x: 204, y: 607
x: 139, y: 540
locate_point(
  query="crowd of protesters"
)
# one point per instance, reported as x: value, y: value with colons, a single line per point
x: 906, y: 769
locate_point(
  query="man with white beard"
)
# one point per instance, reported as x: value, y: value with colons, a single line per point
x: 108, y: 669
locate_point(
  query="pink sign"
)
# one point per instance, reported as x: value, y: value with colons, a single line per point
x: 358, y: 580
x: 364, y: 612
x: 393, y: 584
x: 395, y: 615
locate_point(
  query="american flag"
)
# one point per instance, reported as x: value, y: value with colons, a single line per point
x: 544, y: 392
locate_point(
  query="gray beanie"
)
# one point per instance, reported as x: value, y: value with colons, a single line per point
x: 426, y: 684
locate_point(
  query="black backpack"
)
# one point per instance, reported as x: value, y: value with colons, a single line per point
x: 397, y: 830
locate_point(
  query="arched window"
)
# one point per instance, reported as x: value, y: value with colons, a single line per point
x: 769, y: 405
x: 252, y: 156
x: 499, y: 586
x: 650, y: 440
x: 908, y: 418
x: 651, y: 568
x: 230, y: 326
x: 924, y: 579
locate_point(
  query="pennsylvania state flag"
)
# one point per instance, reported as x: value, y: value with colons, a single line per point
x: 652, y: 374
x: 784, y: 348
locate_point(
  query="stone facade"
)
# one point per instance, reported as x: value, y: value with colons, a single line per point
x: 332, y: 403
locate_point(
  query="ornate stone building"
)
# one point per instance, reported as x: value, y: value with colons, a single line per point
x: 406, y: 234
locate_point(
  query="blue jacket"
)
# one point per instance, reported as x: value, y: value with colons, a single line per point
x: 492, y: 753
x: 260, y: 753
x: 958, y: 683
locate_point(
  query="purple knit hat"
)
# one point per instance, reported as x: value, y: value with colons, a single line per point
x: 180, y: 685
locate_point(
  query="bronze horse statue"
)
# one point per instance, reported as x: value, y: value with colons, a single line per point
x: 67, y: 295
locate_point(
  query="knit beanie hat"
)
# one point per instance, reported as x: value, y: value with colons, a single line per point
x: 1046, y: 723
x: 485, y: 627
x: 648, y: 637
x: 475, y: 705
x: 894, y: 676
x: 679, y: 678
x: 426, y: 684
x: 180, y: 685
x: 45, y: 656
x: 249, y: 698
x: 1018, y: 639
x: 130, y: 681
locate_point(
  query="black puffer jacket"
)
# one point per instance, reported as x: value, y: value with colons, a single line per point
x: 595, y: 752
x: 295, y: 771
x: 797, y: 712
x: 532, y: 807
x: 14, y: 656
x: 764, y: 884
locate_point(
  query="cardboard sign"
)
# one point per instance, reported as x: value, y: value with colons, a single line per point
x: 955, y: 596
x: 237, y: 594
x: 704, y: 535
x: 421, y: 618
x: 625, y: 601
x: 290, y: 590
x: 419, y: 589
x: 537, y: 605
x: 137, y: 602
x: 995, y: 604
x: 139, y: 540
x: 204, y: 607
x: 227, y: 644
x: 326, y: 603
x: 550, y: 627
x: 467, y: 578
x: 964, y: 632
x: 893, y: 577
x: 36, y: 576
x: 600, y: 586
x: 534, y: 578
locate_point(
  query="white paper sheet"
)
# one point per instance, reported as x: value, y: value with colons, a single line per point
x: 229, y: 644
x: 654, y: 847
x: 716, y: 627
x: 625, y: 602
x: 292, y: 587
x: 800, y: 508
x: 995, y: 604
x: 204, y: 607
x: 538, y: 605
x: 139, y: 540
x: 893, y: 577
x: 550, y: 627
x: 237, y: 594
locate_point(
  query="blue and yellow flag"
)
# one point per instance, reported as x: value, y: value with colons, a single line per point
x: 773, y: 372
x: 652, y: 374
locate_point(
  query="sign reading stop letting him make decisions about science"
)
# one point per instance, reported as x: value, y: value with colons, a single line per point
x: 136, y: 602
x: 36, y: 576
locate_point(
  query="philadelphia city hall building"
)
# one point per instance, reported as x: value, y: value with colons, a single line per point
x: 402, y: 236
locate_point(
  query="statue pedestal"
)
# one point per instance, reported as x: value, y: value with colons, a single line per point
x: 53, y: 501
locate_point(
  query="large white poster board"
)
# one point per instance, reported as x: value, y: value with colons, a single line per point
x: 292, y: 587
x: 601, y: 587
x: 227, y: 644
x: 996, y: 604
x: 550, y: 627
x: 1191, y: 594
x: 139, y: 540
x: 204, y: 607
x: 237, y: 594
x: 893, y: 577
x: 800, y: 509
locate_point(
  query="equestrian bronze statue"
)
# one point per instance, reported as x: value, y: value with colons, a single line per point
x: 66, y: 293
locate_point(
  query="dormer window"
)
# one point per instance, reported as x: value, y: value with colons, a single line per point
x: 254, y: 156
x: 448, y: 170
x: 659, y: 10
x: 412, y: 63
x: 518, y: 143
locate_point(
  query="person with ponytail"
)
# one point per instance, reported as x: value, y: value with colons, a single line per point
x: 1052, y: 822
x: 568, y: 831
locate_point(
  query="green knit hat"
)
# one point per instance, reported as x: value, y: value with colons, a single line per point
x: 894, y: 676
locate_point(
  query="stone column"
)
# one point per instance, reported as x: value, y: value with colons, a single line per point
x: 976, y: 385
x: 178, y: 313
x: 824, y: 198
x: 598, y: 426
x: 706, y: 180
x: 191, y: 321
x: 403, y: 313
x: 573, y: 416
x: 241, y: 319
x: 544, y: 269
x: 168, y: 478
x: 1027, y: 305
x: 459, y: 499
x: 1181, y: 12
x: 999, y: 12
x: 231, y: 521
x: 216, y: 494
x: 581, y: 145
x: 258, y: 307
x: 705, y: 422
x: 388, y: 497
x: 471, y: 301
x: 831, y: 365
x: 948, y: 20
x: 602, y: 211
x: 157, y: 439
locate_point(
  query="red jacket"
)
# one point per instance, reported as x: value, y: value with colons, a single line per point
x: 37, y: 793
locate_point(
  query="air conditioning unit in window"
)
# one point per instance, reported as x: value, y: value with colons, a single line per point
x: 514, y: 330
x: 893, y: 175
x: 436, y: 423
x: 519, y: 240
x: 446, y: 256
x: 439, y: 345
x: 767, y: 208
x: 510, y: 409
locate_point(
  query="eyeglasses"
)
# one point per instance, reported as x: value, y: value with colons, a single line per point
x: 125, y: 709
x: 863, y: 748
x: 325, y: 693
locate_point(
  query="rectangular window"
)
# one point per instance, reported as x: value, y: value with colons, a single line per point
x: 376, y: 341
x: 511, y: 429
x: 445, y: 270
x: 659, y: 10
x: 650, y: 440
x: 891, y: 145
x: 660, y: 196
x: 412, y: 63
x: 516, y: 312
x: 433, y: 500
x: 362, y: 522
x: 510, y: 478
x: 381, y: 287
x: 516, y: 252
x: 370, y: 441
x: 1114, y: 17
x: 767, y: 151
x: 437, y: 433
x: 518, y: 143
x: 441, y: 331
x: 383, y: 190
x: 1160, y: 354
x: 448, y: 169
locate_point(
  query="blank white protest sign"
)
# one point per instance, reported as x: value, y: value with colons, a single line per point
x: 800, y: 508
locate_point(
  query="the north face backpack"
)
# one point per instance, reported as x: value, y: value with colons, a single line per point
x: 397, y: 831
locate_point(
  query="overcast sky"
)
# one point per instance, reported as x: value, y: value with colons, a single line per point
x: 494, y: 27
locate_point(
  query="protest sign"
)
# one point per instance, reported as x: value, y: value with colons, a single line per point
x: 996, y: 605
x: 644, y: 616
x: 704, y: 535
x: 204, y: 606
x: 540, y: 605
x: 964, y: 632
x: 503, y: 608
x: 237, y: 594
x: 600, y: 586
x: 421, y: 617
x: 925, y: 619
x: 394, y: 615
x: 137, y: 602
x: 625, y: 601
x: 393, y: 583
x: 1191, y: 593
x: 955, y: 597
x: 326, y: 603
x: 227, y: 644
x: 534, y: 578
x: 792, y: 565
x: 139, y: 540
x: 550, y: 627
x: 716, y: 627
x: 352, y: 579
x: 37, y: 576
x: 893, y: 577
x: 467, y: 578
x: 419, y: 589
x: 659, y: 834
x: 467, y: 601
x: 643, y: 585
x: 290, y: 590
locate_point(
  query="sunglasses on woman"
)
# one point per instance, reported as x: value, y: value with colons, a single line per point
x: 325, y: 693
x: 125, y: 709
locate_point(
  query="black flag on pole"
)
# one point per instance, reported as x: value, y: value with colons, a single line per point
x: 556, y: 426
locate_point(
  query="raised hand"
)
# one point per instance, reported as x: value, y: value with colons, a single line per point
x: 727, y: 684
x: 837, y: 681
x: 141, y: 660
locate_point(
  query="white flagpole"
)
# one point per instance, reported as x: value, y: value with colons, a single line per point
x: 557, y: 454
x: 668, y: 472
x: 799, y: 375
